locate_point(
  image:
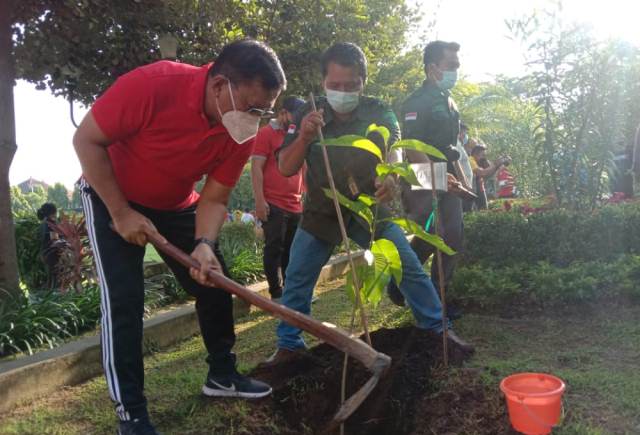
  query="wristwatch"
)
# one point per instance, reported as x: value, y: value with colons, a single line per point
x: 208, y: 242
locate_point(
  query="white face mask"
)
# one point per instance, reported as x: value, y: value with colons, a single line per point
x: 241, y: 126
x: 342, y: 102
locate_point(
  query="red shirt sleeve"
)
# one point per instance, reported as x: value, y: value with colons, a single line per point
x: 228, y: 171
x: 263, y: 141
x: 125, y: 107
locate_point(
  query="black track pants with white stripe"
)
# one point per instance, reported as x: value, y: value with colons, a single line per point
x: 120, y: 271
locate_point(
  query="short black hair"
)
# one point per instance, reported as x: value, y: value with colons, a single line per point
x: 345, y: 54
x: 463, y: 127
x: 246, y: 60
x: 434, y: 51
x: 46, y: 210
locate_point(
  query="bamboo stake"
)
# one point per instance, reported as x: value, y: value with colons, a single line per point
x: 354, y: 275
x: 436, y: 209
x: 343, y: 230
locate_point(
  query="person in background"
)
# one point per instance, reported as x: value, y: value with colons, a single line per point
x: 278, y: 198
x: 49, y: 253
x: 465, y: 165
x: 506, y: 183
x: 483, y: 169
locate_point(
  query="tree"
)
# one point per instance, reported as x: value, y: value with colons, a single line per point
x: 59, y: 195
x: 74, y: 48
x: 76, y: 199
x: 78, y: 48
x: 506, y: 122
x: 9, y: 280
x: 582, y: 86
x: 26, y: 205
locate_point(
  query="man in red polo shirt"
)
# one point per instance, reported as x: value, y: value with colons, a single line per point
x: 145, y: 143
x: 278, y: 198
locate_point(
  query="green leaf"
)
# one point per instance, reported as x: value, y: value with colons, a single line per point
x: 416, y: 145
x: 384, y: 132
x: 355, y: 141
x: 413, y: 228
x: 387, y: 249
x: 367, y: 200
x: 375, y: 284
x: 402, y: 169
x: 358, y: 208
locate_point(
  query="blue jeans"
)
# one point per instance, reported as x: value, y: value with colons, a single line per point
x: 309, y: 254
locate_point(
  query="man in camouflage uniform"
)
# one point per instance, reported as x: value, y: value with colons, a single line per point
x: 431, y: 116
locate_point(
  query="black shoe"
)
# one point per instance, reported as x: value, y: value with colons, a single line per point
x: 138, y: 426
x: 235, y: 385
x: 395, y: 295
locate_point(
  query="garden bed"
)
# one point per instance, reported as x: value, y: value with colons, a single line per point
x: 416, y: 395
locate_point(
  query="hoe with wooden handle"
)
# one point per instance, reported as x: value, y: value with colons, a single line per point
x: 374, y: 361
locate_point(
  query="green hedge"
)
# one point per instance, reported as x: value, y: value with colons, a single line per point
x: 558, y: 237
x: 543, y: 284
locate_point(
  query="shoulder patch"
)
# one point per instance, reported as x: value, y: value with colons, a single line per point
x: 411, y: 116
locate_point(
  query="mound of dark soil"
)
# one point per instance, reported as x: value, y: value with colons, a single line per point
x: 415, y: 397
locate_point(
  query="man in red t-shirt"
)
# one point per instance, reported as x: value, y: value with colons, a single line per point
x: 278, y: 198
x: 145, y: 143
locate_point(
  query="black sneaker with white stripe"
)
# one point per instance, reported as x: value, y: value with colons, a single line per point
x: 235, y: 385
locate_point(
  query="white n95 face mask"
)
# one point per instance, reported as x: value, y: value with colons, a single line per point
x: 241, y: 126
x: 342, y: 102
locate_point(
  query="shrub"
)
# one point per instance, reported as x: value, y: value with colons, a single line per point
x: 46, y: 319
x: 557, y: 236
x: 242, y: 252
x: 544, y: 284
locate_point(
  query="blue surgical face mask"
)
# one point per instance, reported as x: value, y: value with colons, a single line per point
x: 342, y: 102
x: 449, y: 79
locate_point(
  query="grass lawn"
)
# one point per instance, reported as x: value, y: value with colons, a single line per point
x: 596, y: 353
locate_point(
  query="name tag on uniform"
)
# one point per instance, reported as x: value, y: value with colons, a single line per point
x: 411, y: 116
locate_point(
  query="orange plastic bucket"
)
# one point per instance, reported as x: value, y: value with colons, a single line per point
x: 534, y: 401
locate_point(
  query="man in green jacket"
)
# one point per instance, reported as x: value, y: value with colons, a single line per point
x: 344, y: 111
x: 431, y: 116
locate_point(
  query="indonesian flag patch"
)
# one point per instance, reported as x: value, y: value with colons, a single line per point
x: 411, y: 116
x: 292, y: 129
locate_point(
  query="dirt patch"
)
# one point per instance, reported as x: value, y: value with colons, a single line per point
x: 416, y: 396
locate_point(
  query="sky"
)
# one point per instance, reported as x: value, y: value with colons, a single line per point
x: 44, y: 129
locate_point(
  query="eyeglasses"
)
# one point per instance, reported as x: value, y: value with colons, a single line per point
x: 261, y: 113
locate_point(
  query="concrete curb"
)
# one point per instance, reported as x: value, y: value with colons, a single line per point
x: 38, y: 375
